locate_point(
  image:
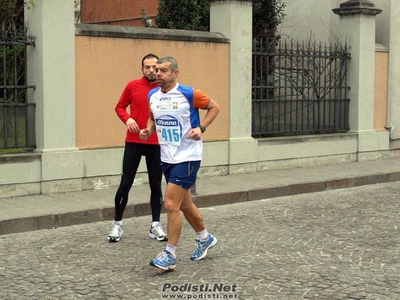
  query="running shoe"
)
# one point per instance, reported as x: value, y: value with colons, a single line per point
x: 203, y: 246
x: 116, y: 233
x: 165, y: 261
x: 157, y: 232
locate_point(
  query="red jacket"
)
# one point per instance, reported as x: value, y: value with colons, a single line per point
x: 135, y: 95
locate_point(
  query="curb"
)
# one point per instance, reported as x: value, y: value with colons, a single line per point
x: 143, y: 209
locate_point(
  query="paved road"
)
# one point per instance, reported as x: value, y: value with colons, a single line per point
x: 338, y: 244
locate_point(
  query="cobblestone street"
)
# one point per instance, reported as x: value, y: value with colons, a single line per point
x: 338, y: 244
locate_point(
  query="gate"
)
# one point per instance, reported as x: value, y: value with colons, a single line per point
x: 299, y: 88
x: 17, y: 116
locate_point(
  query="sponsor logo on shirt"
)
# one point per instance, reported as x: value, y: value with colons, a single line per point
x: 164, y: 122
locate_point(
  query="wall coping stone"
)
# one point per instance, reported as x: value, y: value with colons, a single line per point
x: 149, y: 33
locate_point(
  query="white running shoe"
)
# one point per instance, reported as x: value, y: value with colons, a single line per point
x: 115, y: 234
x: 157, y: 232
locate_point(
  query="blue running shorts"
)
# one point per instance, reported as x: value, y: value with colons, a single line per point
x: 183, y: 174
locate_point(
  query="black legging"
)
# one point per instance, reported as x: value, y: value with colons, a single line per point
x: 132, y: 156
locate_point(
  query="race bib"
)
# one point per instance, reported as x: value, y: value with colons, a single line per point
x: 168, y: 130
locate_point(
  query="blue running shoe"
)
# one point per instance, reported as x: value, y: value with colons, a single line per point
x: 165, y: 260
x: 203, y: 246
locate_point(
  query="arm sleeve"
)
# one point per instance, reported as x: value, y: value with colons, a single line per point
x: 123, y: 103
x: 200, y: 99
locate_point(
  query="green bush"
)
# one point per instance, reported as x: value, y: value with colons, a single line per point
x: 12, y: 17
x: 184, y: 14
x: 267, y: 16
x: 195, y: 15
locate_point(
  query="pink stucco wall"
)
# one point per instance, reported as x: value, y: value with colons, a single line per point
x: 104, y: 65
x: 381, y: 90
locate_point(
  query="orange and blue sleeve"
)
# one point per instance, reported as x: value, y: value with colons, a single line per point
x: 200, y: 99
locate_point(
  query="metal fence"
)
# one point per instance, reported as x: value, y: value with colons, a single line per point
x: 299, y: 88
x: 17, y: 116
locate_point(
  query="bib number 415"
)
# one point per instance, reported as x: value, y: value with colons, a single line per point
x: 170, y: 135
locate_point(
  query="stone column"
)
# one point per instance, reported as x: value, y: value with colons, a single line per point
x: 234, y: 20
x: 357, y: 28
x: 394, y: 72
x: 51, y: 68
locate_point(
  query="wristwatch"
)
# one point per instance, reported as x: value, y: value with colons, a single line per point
x: 202, y: 128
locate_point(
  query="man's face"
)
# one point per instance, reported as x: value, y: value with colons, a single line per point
x: 166, y: 78
x: 149, y: 69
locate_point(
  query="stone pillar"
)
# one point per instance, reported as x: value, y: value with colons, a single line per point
x: 357, y: 28
x: 51, y: 68
x: 394, y: 72
x: 234, y: 20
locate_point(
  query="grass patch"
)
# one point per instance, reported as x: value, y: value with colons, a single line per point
x: 15, y: 151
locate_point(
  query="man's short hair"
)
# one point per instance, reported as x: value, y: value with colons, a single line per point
x: 150, y: 55
x: 174, y: 63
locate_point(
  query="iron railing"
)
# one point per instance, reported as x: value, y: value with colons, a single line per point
x: 299, y: 88
x: 17, y: 116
